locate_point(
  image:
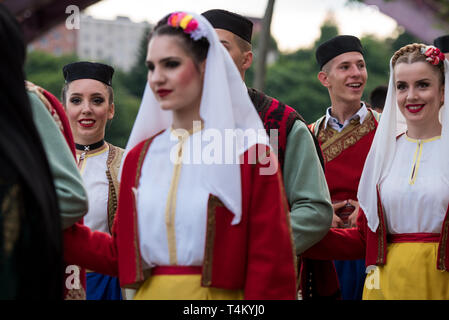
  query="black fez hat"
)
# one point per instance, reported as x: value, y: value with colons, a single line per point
x: 442, y: 43
x: 336, y: 46
x: 235, y: 23
x: 88, y: 70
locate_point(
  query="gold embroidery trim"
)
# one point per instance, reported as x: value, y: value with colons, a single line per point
x: 333, y: 143
x: 417, y: 156
x: 81, y: 157
x: 139, y: 273
x: 113, y: 167
x: 381, y: 244
x: 212, y: 205
x: 170, y: 208
x: 441, y: 263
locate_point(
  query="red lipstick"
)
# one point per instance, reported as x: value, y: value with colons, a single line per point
x: 163, y: 92
x: 414, y: 108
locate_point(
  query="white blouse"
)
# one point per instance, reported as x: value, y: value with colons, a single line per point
x: 93, y: 170
x: 183, y: 241
x: 414, y: 195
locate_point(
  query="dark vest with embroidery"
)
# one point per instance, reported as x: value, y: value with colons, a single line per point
x: 279, y: 116
x: 113, y: 167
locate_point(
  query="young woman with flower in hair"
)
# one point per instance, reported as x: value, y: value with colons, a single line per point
x: 197, y: 229
x: 403, y: 223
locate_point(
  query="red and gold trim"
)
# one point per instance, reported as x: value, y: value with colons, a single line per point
x: 213, y: 203
x: 442, y: 264
x: 333, y: 143
x: 421, y: 237
x: 113, y: 167
x: 381, y: 229
x: 139, y: 267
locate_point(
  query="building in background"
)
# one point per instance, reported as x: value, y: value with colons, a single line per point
x: 115, y: 42
x: 57, y: 41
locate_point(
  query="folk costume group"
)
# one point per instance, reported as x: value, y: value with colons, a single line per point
x: 280, y: 210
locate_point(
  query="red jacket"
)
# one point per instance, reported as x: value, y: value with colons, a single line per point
x: 256, y: 255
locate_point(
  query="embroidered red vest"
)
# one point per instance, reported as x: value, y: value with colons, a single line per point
x: 275, y: 115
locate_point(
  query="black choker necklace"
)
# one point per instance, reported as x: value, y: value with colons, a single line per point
x: 89, y: 147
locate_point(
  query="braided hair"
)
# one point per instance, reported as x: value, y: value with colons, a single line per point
x: 412, y: 53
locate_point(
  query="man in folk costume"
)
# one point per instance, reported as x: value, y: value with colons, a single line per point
x: 299, y: 157
x: 442, y: 43
x: 345, y: 134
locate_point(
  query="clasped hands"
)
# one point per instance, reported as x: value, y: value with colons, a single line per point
x: 337, y: 222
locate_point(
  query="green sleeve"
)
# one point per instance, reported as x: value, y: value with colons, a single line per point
x: 306, y: 188
x: 72, y: 197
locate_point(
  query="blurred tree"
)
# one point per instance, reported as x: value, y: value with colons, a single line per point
x: 126, y: 108
x: 136, y: 78
x: 328, y: 29
x: 377, y: 54
x: 45, y: 70
x: 403, y: 39
x: 272, y: 50
x: 293, y: 78
x: 262, y: 50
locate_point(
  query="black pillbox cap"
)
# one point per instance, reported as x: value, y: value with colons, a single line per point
x: 336, y: 46
x: 442, y: 43
x: 235, y: 23
x: 88, y: 70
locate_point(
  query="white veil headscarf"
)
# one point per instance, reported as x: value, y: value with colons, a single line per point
x: 383, y: 148
x: 225, y: 104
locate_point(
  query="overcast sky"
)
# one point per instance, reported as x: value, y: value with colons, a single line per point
x: 296, y: 23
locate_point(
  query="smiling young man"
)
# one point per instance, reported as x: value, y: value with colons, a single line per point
x: 345, y: 134
x: 299, y: 156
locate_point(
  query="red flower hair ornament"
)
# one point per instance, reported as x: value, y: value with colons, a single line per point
x: 187, y: 23
x: 433, y: 54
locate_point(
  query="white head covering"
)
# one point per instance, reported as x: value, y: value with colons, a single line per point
x: 381, y: 154
x: 225, y: 104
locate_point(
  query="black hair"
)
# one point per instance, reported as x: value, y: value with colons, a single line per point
x: 378, y: 96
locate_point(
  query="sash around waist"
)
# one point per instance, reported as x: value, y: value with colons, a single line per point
x: 413, y: 237
x: 176, y: 270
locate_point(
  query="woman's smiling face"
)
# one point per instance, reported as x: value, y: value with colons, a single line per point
x: 88, y: 110
x: 419, y: 91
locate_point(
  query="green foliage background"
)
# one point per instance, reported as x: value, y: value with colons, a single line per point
x: 291, y: 79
